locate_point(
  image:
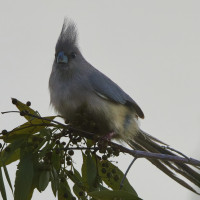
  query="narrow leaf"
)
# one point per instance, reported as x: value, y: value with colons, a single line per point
x: 22, y: 107
x: 74, y: 178
x: 2, y: 187
x: 7, y: 177
x: 89, y: 171
x: 77, y: 191
x: 13, y: 154
x: 110, y: 195
x: 112, y: 176
x: 55, y: 160
x: 24, y: 177
x: 77, y: 174
x: 35, y: 181
x: 54, y: 180
x: 26, y: 129
x: 44, y: 180
x: 64, y: 191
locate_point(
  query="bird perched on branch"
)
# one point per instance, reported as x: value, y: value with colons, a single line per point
x: 92, y: 102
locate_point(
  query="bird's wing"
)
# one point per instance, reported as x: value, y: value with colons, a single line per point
x: 107, y: 89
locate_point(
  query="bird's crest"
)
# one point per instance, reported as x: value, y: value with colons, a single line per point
x: 68, y: 36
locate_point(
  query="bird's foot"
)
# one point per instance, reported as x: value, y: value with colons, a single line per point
x: 108, y: 136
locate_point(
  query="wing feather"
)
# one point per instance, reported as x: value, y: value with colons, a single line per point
x: 105, y: 87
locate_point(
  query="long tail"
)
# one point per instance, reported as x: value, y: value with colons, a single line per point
x: 145, y: 142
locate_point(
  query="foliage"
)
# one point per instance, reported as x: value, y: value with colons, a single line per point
x: 45, y: 150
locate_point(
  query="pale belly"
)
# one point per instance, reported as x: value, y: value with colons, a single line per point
x: 96, y: 115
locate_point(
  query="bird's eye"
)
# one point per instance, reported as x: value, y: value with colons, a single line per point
x: 73, y: 55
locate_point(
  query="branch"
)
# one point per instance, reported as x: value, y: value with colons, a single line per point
x: 144, y: 154
x: 134, y: 153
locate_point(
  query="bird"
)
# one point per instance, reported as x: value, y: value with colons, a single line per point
x: 91, y: 101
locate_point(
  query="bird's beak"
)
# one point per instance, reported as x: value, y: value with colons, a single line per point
x: 62, y: 58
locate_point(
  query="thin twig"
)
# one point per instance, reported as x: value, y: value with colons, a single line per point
x: 79, y: 148
x: 9, y: 112
x: 29, y: 126
x: 122, y: 181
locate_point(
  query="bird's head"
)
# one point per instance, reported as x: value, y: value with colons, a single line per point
x: 67, y: 54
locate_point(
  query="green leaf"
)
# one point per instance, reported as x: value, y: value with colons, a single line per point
x: 64, y: 191
x: 110, y: 178
x: 2, y: 187
x: 40, y: 145
x: 46, y: 132
x: 24, y: 177
x: 7, y: 177
x: 110, y: 195
x: 35, y: 182
x: 47, y: 147
x: 22, y: 107
x: 13, y: 157
x: 89, y: 172
x: 39, y: 168
x: 55, y: 159
x: 26, y: 129
x: 90, y: 142
x: 74, y: 178
x: 101, y: 187
x: 77, y: 191
x: 13, y: 154
x: 54, y: 180
x: 44, y: 180
x: 77, y: 174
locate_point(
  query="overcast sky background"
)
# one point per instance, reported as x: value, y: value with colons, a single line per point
x: 150, y: 48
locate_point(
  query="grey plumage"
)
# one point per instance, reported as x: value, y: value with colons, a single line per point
x: 91, y: 101
x: 68, y: 37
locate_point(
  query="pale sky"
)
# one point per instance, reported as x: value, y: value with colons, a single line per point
x: 149, y: 48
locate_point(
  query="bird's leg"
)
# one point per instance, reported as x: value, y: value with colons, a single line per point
x: 108, y: 136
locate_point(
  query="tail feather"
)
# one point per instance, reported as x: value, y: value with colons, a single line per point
x: 145, y: 142
x: 152, y: 138
x: 180, y: 168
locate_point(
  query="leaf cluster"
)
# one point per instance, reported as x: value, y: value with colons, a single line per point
x: 45, y: 151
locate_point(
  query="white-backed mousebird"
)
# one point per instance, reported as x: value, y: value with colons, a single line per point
x: 80, y: 91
